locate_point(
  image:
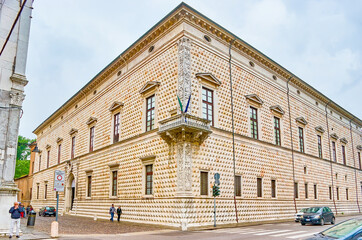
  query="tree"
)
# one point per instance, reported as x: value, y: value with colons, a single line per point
x: 22, y: 157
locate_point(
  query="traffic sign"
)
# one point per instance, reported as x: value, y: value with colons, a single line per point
x: 217, y: 178
x: 59, y: 180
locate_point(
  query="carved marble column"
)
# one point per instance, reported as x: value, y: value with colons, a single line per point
x: 184, y: 71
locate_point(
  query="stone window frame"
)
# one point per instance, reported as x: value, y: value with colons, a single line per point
x: 116, y: 108
x: 209, y: 81
x: 276, y: 188
x: 92, y: 122
x: 315, y: 191
x: 48, y: 157
x: 330, y: 193
x: 207, y: 171
x: 347, y: 194
x: 277, y: 112
x: 337, y: 193
x: 301, y: 139
x: 149, y: 89
x: 261, y: 187
x: 113, y: 167
x: 39, y: 161
x: 334, y: 151
x: 37, y: 190
x: 306, y: 191
x: 241, y: 185
x: 320, y: 145
x: 59, y: 150
x: 296, y: 192
x: 207, y: 90
x: 45, y: 190
x: 148, y: 160
x: 254, y: 101
x: 302, y: 123
x: 359, y: 160
x: 73, y: 135
x: 88, y: 173
x: 151, y: 100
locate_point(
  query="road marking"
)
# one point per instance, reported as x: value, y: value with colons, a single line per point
x: 272, y: 232
x: 284, y: 234
x: 302, y: 235
x: 246, y: 231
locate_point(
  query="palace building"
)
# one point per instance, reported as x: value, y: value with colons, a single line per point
x: 126, y: 137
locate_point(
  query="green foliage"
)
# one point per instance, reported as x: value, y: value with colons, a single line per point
x: 23, y: 153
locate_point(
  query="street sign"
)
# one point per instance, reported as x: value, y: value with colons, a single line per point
x: 217, y: 178
x: 59, y: 180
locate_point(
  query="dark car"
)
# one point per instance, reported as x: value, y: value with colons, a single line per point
x: 318, y: 215
x: 348, y: 230
x: 47, y: 211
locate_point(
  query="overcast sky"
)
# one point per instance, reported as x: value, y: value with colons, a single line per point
x: 71, y: 41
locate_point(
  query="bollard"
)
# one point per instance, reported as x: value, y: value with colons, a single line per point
x: 31, y: 218
x: 54, y: 229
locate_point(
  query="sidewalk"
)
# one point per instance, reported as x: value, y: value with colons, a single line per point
x: 28, y: 233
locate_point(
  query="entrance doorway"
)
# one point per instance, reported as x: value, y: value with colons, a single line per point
x: 70, y: 193
x: 73, y: 194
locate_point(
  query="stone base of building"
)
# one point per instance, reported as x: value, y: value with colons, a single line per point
x: 8, y: 195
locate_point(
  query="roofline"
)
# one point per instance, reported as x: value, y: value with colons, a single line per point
x: 182, y: 4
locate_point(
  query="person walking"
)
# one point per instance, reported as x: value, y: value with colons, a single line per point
x: 22, y: 213
x: 119, y: 212
x: 15, y: 219
x: 112, y: 210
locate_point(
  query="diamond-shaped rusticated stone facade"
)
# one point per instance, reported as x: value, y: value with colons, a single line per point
x: 181, y: 146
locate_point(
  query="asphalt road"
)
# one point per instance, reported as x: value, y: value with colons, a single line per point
x: 277, y: 231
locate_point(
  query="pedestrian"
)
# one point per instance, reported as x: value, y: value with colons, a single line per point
x: 21, y: 207
x: 15, y: 219
x: 119, y: 212
x: 27, y: 210
x: 112, y: 210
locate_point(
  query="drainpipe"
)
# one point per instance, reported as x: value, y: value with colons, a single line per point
x: 330, y: 156
x: 354, y: 163
x: 232, y: 126
x: 291, y: 143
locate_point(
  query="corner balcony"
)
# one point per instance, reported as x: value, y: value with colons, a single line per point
x: 184, y: 127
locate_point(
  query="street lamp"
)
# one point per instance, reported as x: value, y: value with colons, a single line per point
x: 36, y: 149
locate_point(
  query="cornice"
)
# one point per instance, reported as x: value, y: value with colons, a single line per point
x: 184, y: 13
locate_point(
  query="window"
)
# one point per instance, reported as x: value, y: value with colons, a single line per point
x: 254, y: 122
x: 114, y: 183
x: 273, y: 188
x: 238, y: 186
x: 347, y: 198
x: 91, y: 139
x: 37, y: 192
x: 301, y: 140
x: 208, y: 105
x: 89, y: 186
x: 320, y: 155
x: 305, y: 169
x: 204, y: 182
x: 150, y: 113
x: 306, y: 190
x: 48, y: 156
x: 116, y: 128
x: 330, y: 192
x: 73, y: 148
x: 59, y: 152
x: 259, y: 186
x: 45, y: 191
x: 39, y: 162
x: 149, y: 179
x: 344, y: 154
x: 334, y: 151
x: 337, y: 193
x: 277, y: 131
x: 359, y: 160
x: 315, y: 192
x: 296, y: 195
x: 31, y: 193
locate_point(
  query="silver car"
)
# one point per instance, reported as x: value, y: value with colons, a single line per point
x: 299, y: 214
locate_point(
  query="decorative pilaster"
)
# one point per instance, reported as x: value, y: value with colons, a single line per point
x: 184, y: 71
x: 184, y: 168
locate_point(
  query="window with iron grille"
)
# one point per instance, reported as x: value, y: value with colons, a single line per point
x: 344, y: 155
x: 334, y: 151
x: 114, y: 183
x: 273, y: 188
x: 296, y: 191
x: 59, y: 152
x: 39, y: 162
x: 301, y: 140
x: 320, y: 155
x: 359, y: 160
x: 48, y: 157
x: 116, y: 128
x: 238, y: 186
x: 254, y: 122
x: 208, y: 105
x: 315, y: 191
x: 204, y: 183
x: 37, y: 192
x: 89, y: 186
x: 330, y: 192
x: 73, y: 148
x: 306, y: 190
x: 347, y: 197
x: 91, y: 139
x: 149, y: 179
x: 277, y: 131
x: 150, y: 113
x: 45, y: 191
x: 259, y: 187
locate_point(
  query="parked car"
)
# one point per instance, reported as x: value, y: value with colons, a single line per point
x: 318, y: 215
x: 299, y: 214
x: 348, y: 230
x: 47, y: 211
